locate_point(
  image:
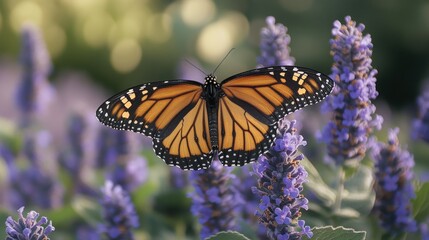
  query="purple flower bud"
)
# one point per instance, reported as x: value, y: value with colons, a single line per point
x: 214, y: 200
x: 280, y: 178
x: 393, y: 186
x: 353, y: 114
x: 274, y: 45
x: 421, y: 124
x: 34, y: 90
x: 29, y: 227
x: 118, y: 212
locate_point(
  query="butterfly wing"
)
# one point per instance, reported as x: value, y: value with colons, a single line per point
x: 254, y: 101
x: 171, y: 112
x: 188, y: 144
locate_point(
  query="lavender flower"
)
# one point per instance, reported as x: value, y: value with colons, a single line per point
x: 32, y: 185
x: 393, y: 186
x: 421, y: 124
x: 178, y: 178
x: 280, y: 183
x: 118, y: 212
x: 73, y: 158
x: 353, y: 114
x: 28, y: 228
x: 213, y: 200
x: 117, y: 152
x: 274, y: 45
x: 243, y: 182
x: 34, y: 90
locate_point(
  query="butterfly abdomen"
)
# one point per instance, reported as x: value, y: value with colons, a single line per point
x: 211, y: 95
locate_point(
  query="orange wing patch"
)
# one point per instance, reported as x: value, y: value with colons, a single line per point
x: 263, y: 92
x: 191, y: 136
x: 237, y: 129
x: 164, y: 104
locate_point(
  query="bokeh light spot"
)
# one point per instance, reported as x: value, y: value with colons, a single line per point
x: 214, y: 41
x: 158, y: 28
x: 219, y: 37
x: 96, y: 28
x: 197, y: 12
x: 24, y: 12
x: 125, y: 55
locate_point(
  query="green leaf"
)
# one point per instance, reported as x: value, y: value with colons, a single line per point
x: 317, y: 185
x: 358, y: 193
x: 229, y: 235
x: 87, y: 209
x: 420, y: 206
x: 329, y: 233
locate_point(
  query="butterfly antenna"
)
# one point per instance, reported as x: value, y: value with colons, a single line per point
x: 223, y: 60
x: 195, y: 66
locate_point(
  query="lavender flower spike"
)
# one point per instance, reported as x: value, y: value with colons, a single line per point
x: 393, y: 186
x: 353, y: 116
x: 29, y: 227
x: 34, y: 90
x: 280, y: 183
x: 214, y: 201
x: 274, y: 45
x: 421, y: 124
x: 118, y: 213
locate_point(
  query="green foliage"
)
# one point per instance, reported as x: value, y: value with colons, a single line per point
x: 329, y: 233
x: 229, y: 235
x: 420, y: 203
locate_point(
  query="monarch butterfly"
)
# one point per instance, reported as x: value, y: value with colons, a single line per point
x: 191, y: 123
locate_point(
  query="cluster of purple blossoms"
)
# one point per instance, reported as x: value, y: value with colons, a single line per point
x: 117, y: 153
x: 244, y: 182
x: 30, y: 227
x: 353, y: 114
x: 274, y: 45
x: 214, y: 200
x: 421, y: 124
x: 393, y: 186
x: 280, y: 183
x: 118, y: 212
x: 34, y: 90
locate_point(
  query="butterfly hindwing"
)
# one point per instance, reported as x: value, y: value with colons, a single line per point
x: 241, y: 136
x: 254, y: 101
x: 188, y: 145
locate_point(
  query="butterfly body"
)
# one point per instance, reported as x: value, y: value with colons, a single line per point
x: 211, y: 94
x: 192, y: 123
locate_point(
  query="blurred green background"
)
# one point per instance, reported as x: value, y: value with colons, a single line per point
x: 120, y: 43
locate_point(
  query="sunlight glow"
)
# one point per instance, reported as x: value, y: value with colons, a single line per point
x: 24, y: 12
x: 96, y: 28
x: 197, y: 12
x: 219, y: 37
x: 56, y: 39
x: 125, y: 55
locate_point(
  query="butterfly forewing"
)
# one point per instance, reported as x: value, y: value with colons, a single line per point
x: 253, y: 102
x: 152, y: 108
x: 277, y: 91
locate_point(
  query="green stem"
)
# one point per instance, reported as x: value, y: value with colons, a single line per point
x: 340, y: 189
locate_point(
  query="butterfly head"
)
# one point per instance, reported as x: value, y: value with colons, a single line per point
x: 210, y: 79
x: 211, y: 87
